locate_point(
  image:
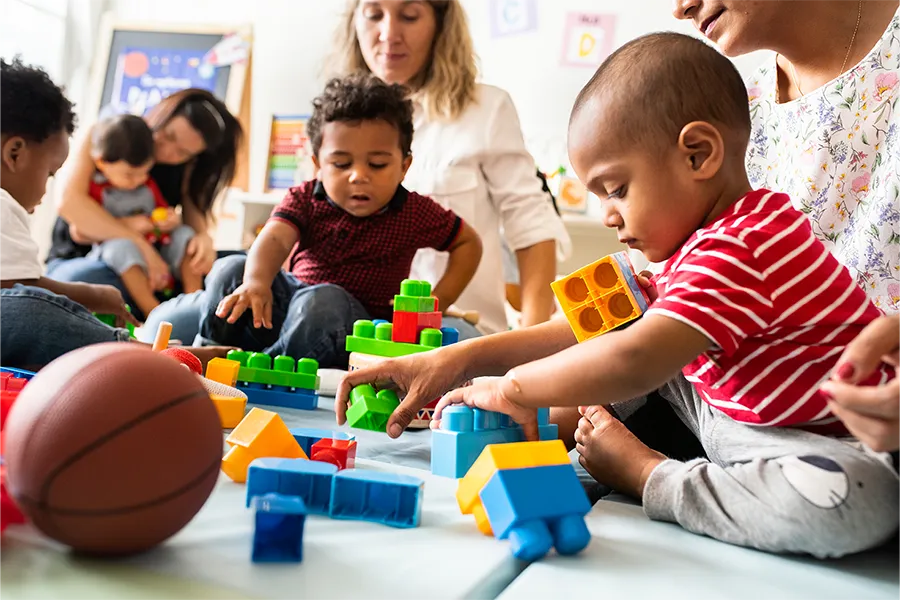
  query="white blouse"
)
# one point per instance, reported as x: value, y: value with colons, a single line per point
x: 477, y: 166
x: 836, y: 151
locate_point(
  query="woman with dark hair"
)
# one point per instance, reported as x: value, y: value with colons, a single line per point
x: 196, y: 142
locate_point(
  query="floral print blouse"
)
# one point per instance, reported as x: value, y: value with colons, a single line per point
x: 836, y: 152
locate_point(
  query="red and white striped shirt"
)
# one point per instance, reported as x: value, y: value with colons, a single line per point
x: 777, y: 306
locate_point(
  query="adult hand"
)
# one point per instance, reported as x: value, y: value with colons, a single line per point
x: 488, y: 395
x: 139, y: 223
x: 420, y: 377
x: 250, y: 294
x: 871, y: 413
x: 201, y: 253
x: 107, y: 300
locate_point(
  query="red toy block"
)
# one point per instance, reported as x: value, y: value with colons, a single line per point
x: 341, y: 453
x: 429, y: 320
x: 406, y: 327
x: 9, y: 512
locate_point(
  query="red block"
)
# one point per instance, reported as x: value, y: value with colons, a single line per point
x: 405, y: 327
x: 340, y: 453
x: 429, y: 320
x: 9, y: 512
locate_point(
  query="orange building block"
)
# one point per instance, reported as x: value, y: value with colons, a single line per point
x: 499, y: 457
x: 230, y: 409
x: 223, y: 370
x: 261, y: 434
x: 601, y: 296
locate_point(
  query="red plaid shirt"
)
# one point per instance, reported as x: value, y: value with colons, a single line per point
x: 369, y: 256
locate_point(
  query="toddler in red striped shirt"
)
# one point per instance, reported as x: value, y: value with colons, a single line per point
x: 750, y: 315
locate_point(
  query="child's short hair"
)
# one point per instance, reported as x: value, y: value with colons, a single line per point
x: 123, y: 137
x: 362, y: 97
x: 658, y: 83
x: 31, y: 105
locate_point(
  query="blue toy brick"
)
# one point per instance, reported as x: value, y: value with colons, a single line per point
x: 533, y: 505
x: 267, y: 395
x: 306, y: 437
x: 387, y: 498
x: 19, y: 373
x: 278, y: 536
x: 630, y: 280
x: 450, y: 336
x: 465, y: 432
x: 306, y: 479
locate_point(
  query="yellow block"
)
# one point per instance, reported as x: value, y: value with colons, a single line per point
x: 231, y: 409
x: 499, y: 457
x: 236, y: 463
x: 223, y: 370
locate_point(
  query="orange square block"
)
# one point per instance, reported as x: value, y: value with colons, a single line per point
x: 223, y: 370
x: 261, y: 434
x: 230, y: 409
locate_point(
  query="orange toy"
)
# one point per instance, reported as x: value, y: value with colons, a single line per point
x: 262, y: 434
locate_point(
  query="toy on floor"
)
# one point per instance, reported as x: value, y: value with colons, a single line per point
x: 527, y: 493
x: 286, y: 383
x: 12, y: 381
x: 111, y: 321
x: 601, y: 296
x: 465, y: 432
x: 306, y: 436
x: 111, y: 449
x: 369, y: 409
x: 416, y: 328
x: 261, y: 434
x: 387, y: 498
x: 278, y: 534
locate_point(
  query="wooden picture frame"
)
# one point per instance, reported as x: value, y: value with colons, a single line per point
x: 119, y: 41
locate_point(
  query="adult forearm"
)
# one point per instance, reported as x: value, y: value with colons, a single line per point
x: 537, y: 269
x: 494, y: 355
x: 93, y: 221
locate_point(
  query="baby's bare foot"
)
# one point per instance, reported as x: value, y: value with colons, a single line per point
x: 612, y: 454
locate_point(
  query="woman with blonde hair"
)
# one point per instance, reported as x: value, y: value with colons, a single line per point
x: 469, y: 152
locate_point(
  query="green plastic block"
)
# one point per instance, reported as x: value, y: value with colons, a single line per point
x: 369, y: 339
x: 413, y: 287
x: 111, y: 321
x: 371, y: 410
x: 257, y: 368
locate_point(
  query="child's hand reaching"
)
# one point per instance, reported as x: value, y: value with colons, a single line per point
x: 644, y: 280
x: 487, y: 394
x: 253, y: 295
x: 171, y: 220
x: 139, y: 223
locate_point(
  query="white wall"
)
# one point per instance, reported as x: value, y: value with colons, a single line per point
x: 293, y: 36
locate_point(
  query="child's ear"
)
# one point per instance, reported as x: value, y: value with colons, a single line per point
x: 406, y: 163
x: 315, y: 161
x: 703, y: 149
x: 13, y: 153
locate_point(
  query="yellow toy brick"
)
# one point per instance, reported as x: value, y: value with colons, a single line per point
x: 261, y: 434
x: 230, y: 409
x: 223, y: 370
x: 497, y: 457
x: 601, y: 296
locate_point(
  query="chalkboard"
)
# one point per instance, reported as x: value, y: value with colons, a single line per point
x: 138, y: 64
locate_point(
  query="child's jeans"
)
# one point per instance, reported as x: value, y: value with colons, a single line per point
x: 307, y: 320
x: 773, y: 488
x: 121, y: 254
x: 38, y: 326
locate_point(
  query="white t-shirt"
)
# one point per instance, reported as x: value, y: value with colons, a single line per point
x: 836, y: 152
x: 478, y: 167
x: 18, y: 251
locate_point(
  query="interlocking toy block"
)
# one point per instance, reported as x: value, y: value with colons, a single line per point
x: 306, y: 436
x: 257, y: 367
x: 278, y: 536
x: 111, y: 321
x: 408, y: 325
x: 358, y: 360
x: 601, y: 296
x: 261, y: 434
x: 537, y: 508
x: 340, y: 453
x: 369, y: 338
x: 370, y: 410
x: 9, y: 512
x: 306, y: 479
x: 11, y: 383
x: 465, y: 432
x: 387, y: 498
x: 415, y: 296
x: 450, y: 335
x: 278, y: 386
x: 230, y: 409
x: 223, y: 370
x: 504, y: 456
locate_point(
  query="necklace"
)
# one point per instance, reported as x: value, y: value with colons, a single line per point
x: 796, y: 79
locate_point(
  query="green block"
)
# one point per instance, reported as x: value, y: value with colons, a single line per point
x: 257, y: 368
x: 414, y: 304
x: 369, y: 339
x: 413, y: 287
x: 371, y: 410
x: 111, y: 321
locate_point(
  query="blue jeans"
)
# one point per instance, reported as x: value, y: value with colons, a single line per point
x: 38, y: 326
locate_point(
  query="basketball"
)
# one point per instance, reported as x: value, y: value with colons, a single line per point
x: 112, y: 448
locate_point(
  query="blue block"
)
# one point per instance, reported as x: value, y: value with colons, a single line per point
x: 278, y: 536
x: 449, y: 335
x: 536, y: 508
x: 306, y: 436
x: 19, y: 373
x: 284, y: 397
x: 465, y: 432
x: 387, y: 498
x: 306, y: 479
